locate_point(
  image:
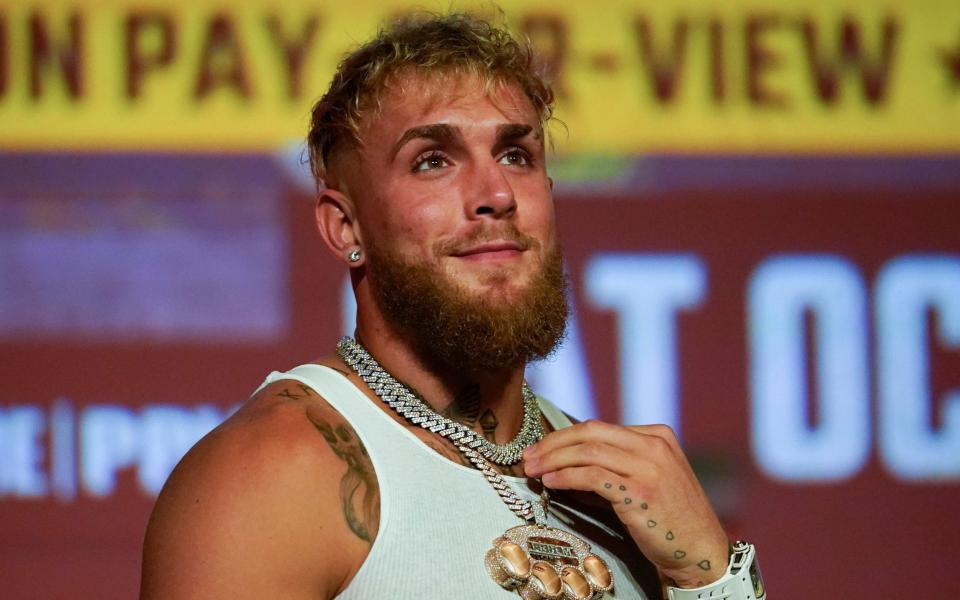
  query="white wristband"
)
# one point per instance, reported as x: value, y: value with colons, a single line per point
x: 742, y: 580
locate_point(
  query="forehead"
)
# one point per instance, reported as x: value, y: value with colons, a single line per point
x: 413, y: 99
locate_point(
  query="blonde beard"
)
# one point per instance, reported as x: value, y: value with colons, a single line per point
x: 451, y: 328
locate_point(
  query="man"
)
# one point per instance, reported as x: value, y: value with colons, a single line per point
x: 429, y: 151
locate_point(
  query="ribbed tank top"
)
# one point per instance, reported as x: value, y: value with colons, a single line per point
x: 439, y: 518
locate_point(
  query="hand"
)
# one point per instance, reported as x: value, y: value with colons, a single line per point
x: 645, y: 476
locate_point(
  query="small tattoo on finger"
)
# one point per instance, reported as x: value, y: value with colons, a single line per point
x: 704, y: 564
x: 678, y: 554
x: 669, y: 535
x: 608, y: 485
x: 623, y: 488
x: 644, y: 506
x: 627, y: 500
x: 651, y: 523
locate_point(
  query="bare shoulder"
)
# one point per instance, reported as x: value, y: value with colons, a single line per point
x: 279, y: 501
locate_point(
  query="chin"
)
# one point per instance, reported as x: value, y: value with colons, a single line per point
x: 504, y: 291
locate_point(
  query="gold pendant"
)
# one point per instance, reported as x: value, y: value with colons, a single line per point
x: 541, y: 562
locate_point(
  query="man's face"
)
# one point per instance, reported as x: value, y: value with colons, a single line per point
x: 456, y: 216
x: 453, y: 177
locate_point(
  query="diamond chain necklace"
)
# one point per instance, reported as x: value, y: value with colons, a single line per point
x: 398, y: 397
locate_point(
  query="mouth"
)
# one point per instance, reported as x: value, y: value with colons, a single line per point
x: 493, y: 250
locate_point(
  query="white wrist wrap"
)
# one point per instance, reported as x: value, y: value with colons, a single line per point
x: 742, y: 580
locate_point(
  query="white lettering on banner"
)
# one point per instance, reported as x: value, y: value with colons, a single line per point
x: 104, y: 439
x: 114, y: 438
x: 63, y: 446
x: 647, y: 291
x: 108, y: 443
x: 782, y: 290
x: 906, y: 289
x: 21, y: 452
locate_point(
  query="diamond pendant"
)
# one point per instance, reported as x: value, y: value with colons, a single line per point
x: 541, y: 562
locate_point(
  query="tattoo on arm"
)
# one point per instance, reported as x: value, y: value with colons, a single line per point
x: 302, y: 391
x: 359, y: 491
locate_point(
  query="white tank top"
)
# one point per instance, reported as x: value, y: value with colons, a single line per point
x: 439, y: 518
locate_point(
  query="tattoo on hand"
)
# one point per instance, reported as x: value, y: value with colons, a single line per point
x: 359, y: 490
x: 651, y: 523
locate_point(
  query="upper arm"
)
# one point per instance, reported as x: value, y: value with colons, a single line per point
x: 275, y: 503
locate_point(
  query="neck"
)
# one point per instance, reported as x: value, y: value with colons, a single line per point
x: 489, y: 402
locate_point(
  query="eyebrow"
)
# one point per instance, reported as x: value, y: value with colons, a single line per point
x: 514, y: 131
x: 438, y: 131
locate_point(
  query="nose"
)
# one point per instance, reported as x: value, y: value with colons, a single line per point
x: 493, y: 194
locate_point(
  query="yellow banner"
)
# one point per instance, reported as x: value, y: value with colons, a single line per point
x: 632, y: 77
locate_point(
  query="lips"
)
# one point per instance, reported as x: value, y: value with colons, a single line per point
x: 493, y: 248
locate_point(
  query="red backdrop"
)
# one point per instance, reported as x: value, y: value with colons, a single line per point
x: 144, y: 295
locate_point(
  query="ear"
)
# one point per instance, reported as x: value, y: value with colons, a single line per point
x: 335, y: 217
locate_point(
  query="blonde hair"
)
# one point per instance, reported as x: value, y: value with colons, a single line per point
x: 455, y: 43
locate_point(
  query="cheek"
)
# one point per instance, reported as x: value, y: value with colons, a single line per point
x: 407, y: 223
x: 423, y: 217
x: 539, y: 215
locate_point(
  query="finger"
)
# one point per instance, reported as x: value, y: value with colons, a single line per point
x: 664, y: 432
x: 651, y: 442
x: 599, y: 454
x: 576, y: 434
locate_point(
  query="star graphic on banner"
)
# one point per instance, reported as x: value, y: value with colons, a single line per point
x: 951, y: 62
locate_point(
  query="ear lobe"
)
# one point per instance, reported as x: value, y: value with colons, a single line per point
x: 336, y: 224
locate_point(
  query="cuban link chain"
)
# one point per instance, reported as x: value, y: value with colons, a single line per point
x: 398, y: 397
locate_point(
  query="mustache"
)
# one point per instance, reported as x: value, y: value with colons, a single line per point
x: 507, y: 232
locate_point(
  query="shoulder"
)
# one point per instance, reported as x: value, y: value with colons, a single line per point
x: 252, y: 509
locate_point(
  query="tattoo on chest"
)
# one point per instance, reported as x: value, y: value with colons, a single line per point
x: 488, y: 421
x: 466, y: 410
x: 359, y: 491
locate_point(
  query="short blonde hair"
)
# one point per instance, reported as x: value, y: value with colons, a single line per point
x: 455, y: 43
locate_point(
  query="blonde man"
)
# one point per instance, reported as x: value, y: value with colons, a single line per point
x: 407, y: 464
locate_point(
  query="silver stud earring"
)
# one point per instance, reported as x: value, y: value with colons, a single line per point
x: 354, y: 255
